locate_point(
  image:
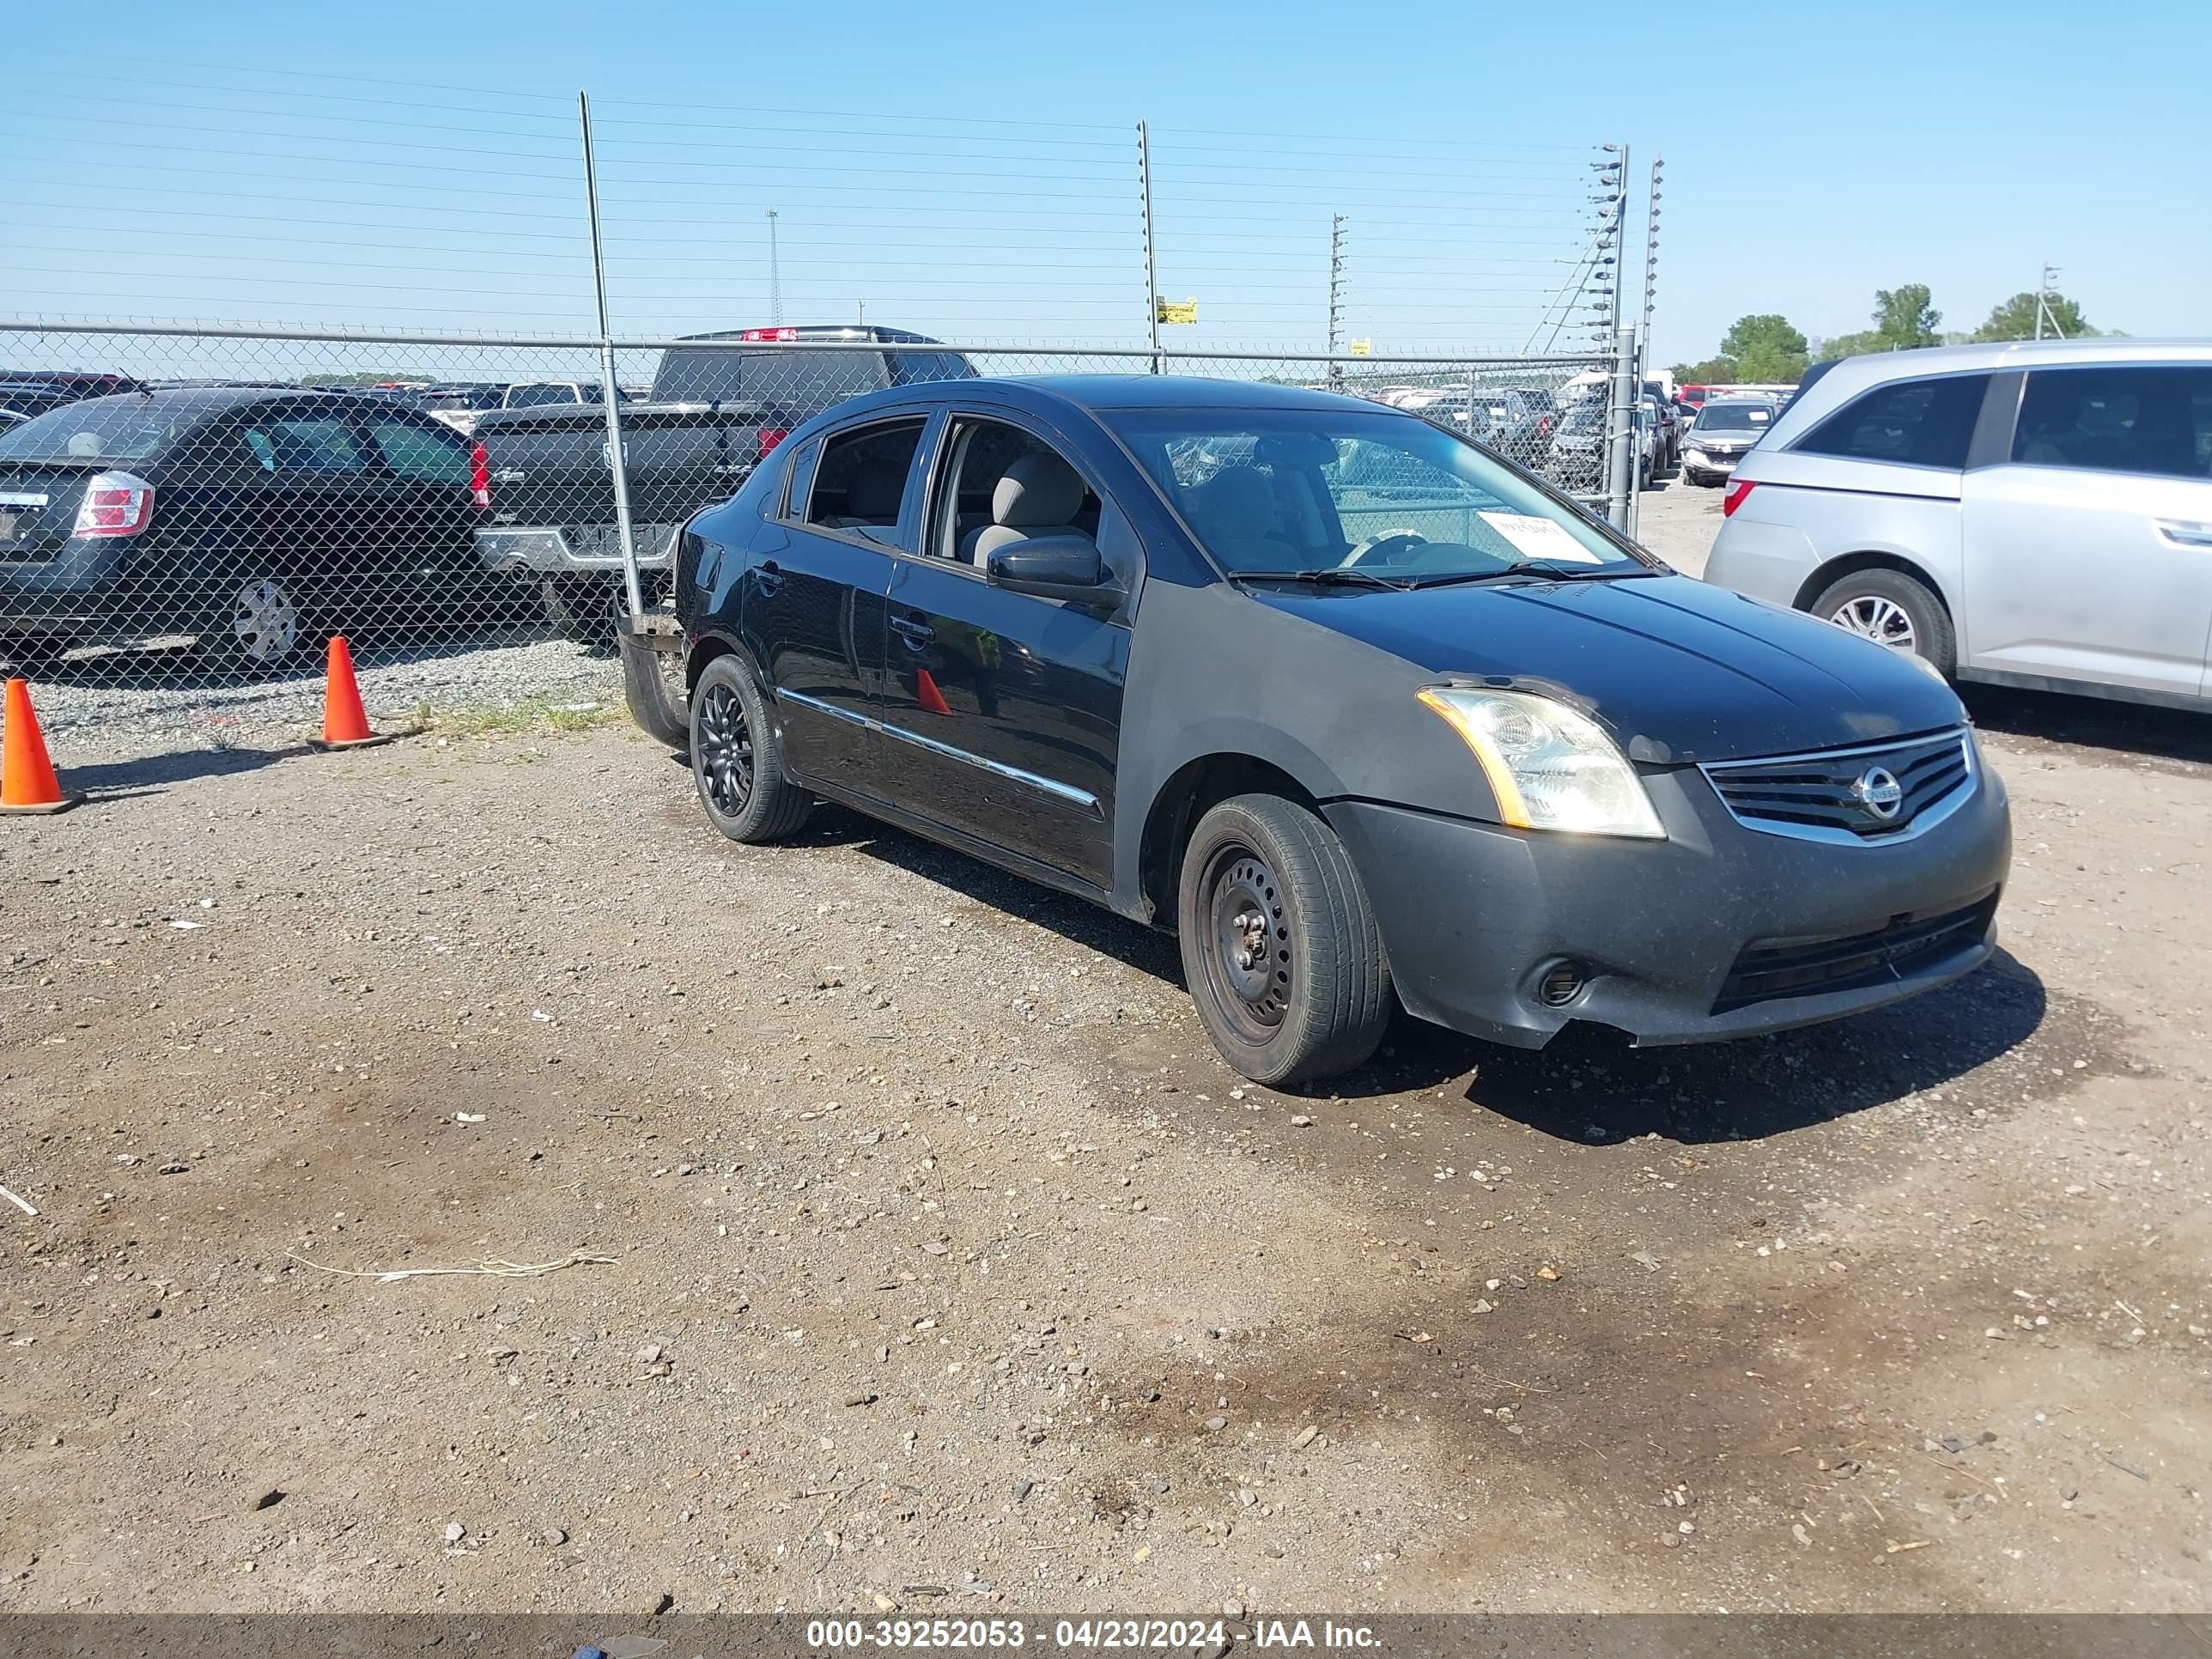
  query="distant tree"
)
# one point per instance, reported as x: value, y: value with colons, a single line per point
x: 1904, y: 318
x: 2014, y: 319
x: 1762, y: 348
x: 1903, y: 321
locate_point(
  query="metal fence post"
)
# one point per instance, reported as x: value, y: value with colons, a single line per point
x: 1620, y: 433
x: 609, y: 389
x: 1151, y: 263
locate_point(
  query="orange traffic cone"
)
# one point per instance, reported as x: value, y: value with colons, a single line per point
x: 27, y: 783
x: 345, y: 722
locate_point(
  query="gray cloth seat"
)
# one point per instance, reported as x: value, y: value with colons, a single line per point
x: 1039, y: 495
x: 871, y: 497
x: 1233, y: 512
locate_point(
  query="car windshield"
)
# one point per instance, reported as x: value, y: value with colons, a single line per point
x: 1734, y: 417
x: 125, y: 428
x: 1321, y: 494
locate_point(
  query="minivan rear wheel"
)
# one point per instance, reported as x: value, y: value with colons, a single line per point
x: 1891, y: 609
x: 1279, y: 946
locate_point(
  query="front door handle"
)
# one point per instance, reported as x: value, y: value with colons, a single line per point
x: 2182, y: 533
x: 915, y: 632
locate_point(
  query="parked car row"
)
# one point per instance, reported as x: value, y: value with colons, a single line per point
x: 252, y: 519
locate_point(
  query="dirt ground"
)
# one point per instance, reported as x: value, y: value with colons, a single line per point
x: 923, y: 1254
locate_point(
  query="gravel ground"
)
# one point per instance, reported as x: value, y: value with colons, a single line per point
x: 923, y: 1255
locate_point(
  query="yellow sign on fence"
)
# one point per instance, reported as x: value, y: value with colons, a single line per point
x: 1362, y: 347
x: 1178, y: 311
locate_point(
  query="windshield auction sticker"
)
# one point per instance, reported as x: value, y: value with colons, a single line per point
x: 1540, y: 538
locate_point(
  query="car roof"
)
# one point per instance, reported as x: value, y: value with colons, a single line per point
x: 1850, y: 376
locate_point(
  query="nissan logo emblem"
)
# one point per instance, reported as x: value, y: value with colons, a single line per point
x: 1879, y: 792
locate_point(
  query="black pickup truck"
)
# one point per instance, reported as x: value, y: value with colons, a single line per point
x: 716, y: 408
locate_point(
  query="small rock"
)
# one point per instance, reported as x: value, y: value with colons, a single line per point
x: 1215, y: 1425
x: 936, y: 1247
x: 1247, y: 1496
x: 1481, y: 1306
x: 883, y: 1603
x: 860, y: 1397
x: 1304, y: 1438
x: 1548, y: 1272
x: 1302, y: 1122
x: 553, y: 1537
x: 455, y: 1532
x: 1952, y: 1443
x: 648, y: 1353
x: 1144, y: 1554
x: 271, y: 1498
x: 176, y: 1166
x: 1023, y: 1489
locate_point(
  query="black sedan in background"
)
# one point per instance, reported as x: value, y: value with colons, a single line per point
x: 1367, y: 717
x: 255, y: 521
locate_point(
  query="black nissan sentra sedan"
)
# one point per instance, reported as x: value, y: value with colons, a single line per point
x: 1363, y: 714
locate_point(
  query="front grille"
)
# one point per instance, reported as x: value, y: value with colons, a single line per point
x: 1837, y: 795
x: 1770, y: 970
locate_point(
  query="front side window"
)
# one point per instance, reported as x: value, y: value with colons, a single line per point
x: 2150, y: 419
x: 860, y: 483
x: 1914, y: 423
x: 420, y: 454
x: 1319, y: 493
x: 1005, y: 485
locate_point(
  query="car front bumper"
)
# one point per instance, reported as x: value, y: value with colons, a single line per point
x: 1718, y: 931
x: 1706, y: 465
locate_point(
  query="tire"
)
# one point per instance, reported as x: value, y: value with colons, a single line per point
x: 1894, y: 609
x: 1315, y: 999
x: 737, y: 760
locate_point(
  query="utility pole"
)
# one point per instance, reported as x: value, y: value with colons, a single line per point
x: 1651, y: 249
x: 2043, y: 312
x: 1335, y: 298
x: 1151, y: 265
x: 610, y: 393
x: 774, y: 274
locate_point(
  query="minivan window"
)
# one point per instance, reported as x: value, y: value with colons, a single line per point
x: 860, y: 483
x: 2135, y: 419
x: 1916, y: 423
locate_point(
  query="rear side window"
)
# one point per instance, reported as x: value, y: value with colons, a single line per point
x: 305, y: 443
x: 1912, y: 423
x: 2148, y: 419
x: 113, y: 429
x: 419, y: 454
x: 860, y: 483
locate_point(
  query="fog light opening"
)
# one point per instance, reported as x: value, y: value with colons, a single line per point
x: 1561, y: 983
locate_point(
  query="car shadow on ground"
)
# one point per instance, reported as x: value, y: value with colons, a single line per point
x: 1588, y: 1084
x: 151, y: 774
x: 2056, y: 717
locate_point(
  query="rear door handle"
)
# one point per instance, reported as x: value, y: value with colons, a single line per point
x: 769, y: 576
x: 2182, y: 533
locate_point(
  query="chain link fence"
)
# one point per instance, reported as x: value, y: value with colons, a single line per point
x: 187, y: 516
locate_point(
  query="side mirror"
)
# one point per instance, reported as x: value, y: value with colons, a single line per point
x: 1055, y: 567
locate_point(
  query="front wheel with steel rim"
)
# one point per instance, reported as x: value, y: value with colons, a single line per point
x: 737, y: 758
x: 264, y: 627
x: 1280, y: 947
x: 1893, y: 610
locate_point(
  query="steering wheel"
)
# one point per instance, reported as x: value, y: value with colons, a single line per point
x: 1393, y: 539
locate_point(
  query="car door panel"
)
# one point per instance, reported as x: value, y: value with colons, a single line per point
x: 2080, y: 575
x: 813, y: 610
x: 1006, y: 714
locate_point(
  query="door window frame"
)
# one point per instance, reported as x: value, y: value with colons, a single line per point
x: 940, y: 481
x: 793, y: 515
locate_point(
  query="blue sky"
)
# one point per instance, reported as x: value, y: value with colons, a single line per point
x: 971, y: 170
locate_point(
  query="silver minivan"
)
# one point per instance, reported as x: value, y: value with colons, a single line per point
x: 2036, y: 513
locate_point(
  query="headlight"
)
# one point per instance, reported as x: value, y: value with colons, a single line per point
x: 1549, y: 767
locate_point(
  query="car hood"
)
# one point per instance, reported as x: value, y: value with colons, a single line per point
x: 1676, y: 669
